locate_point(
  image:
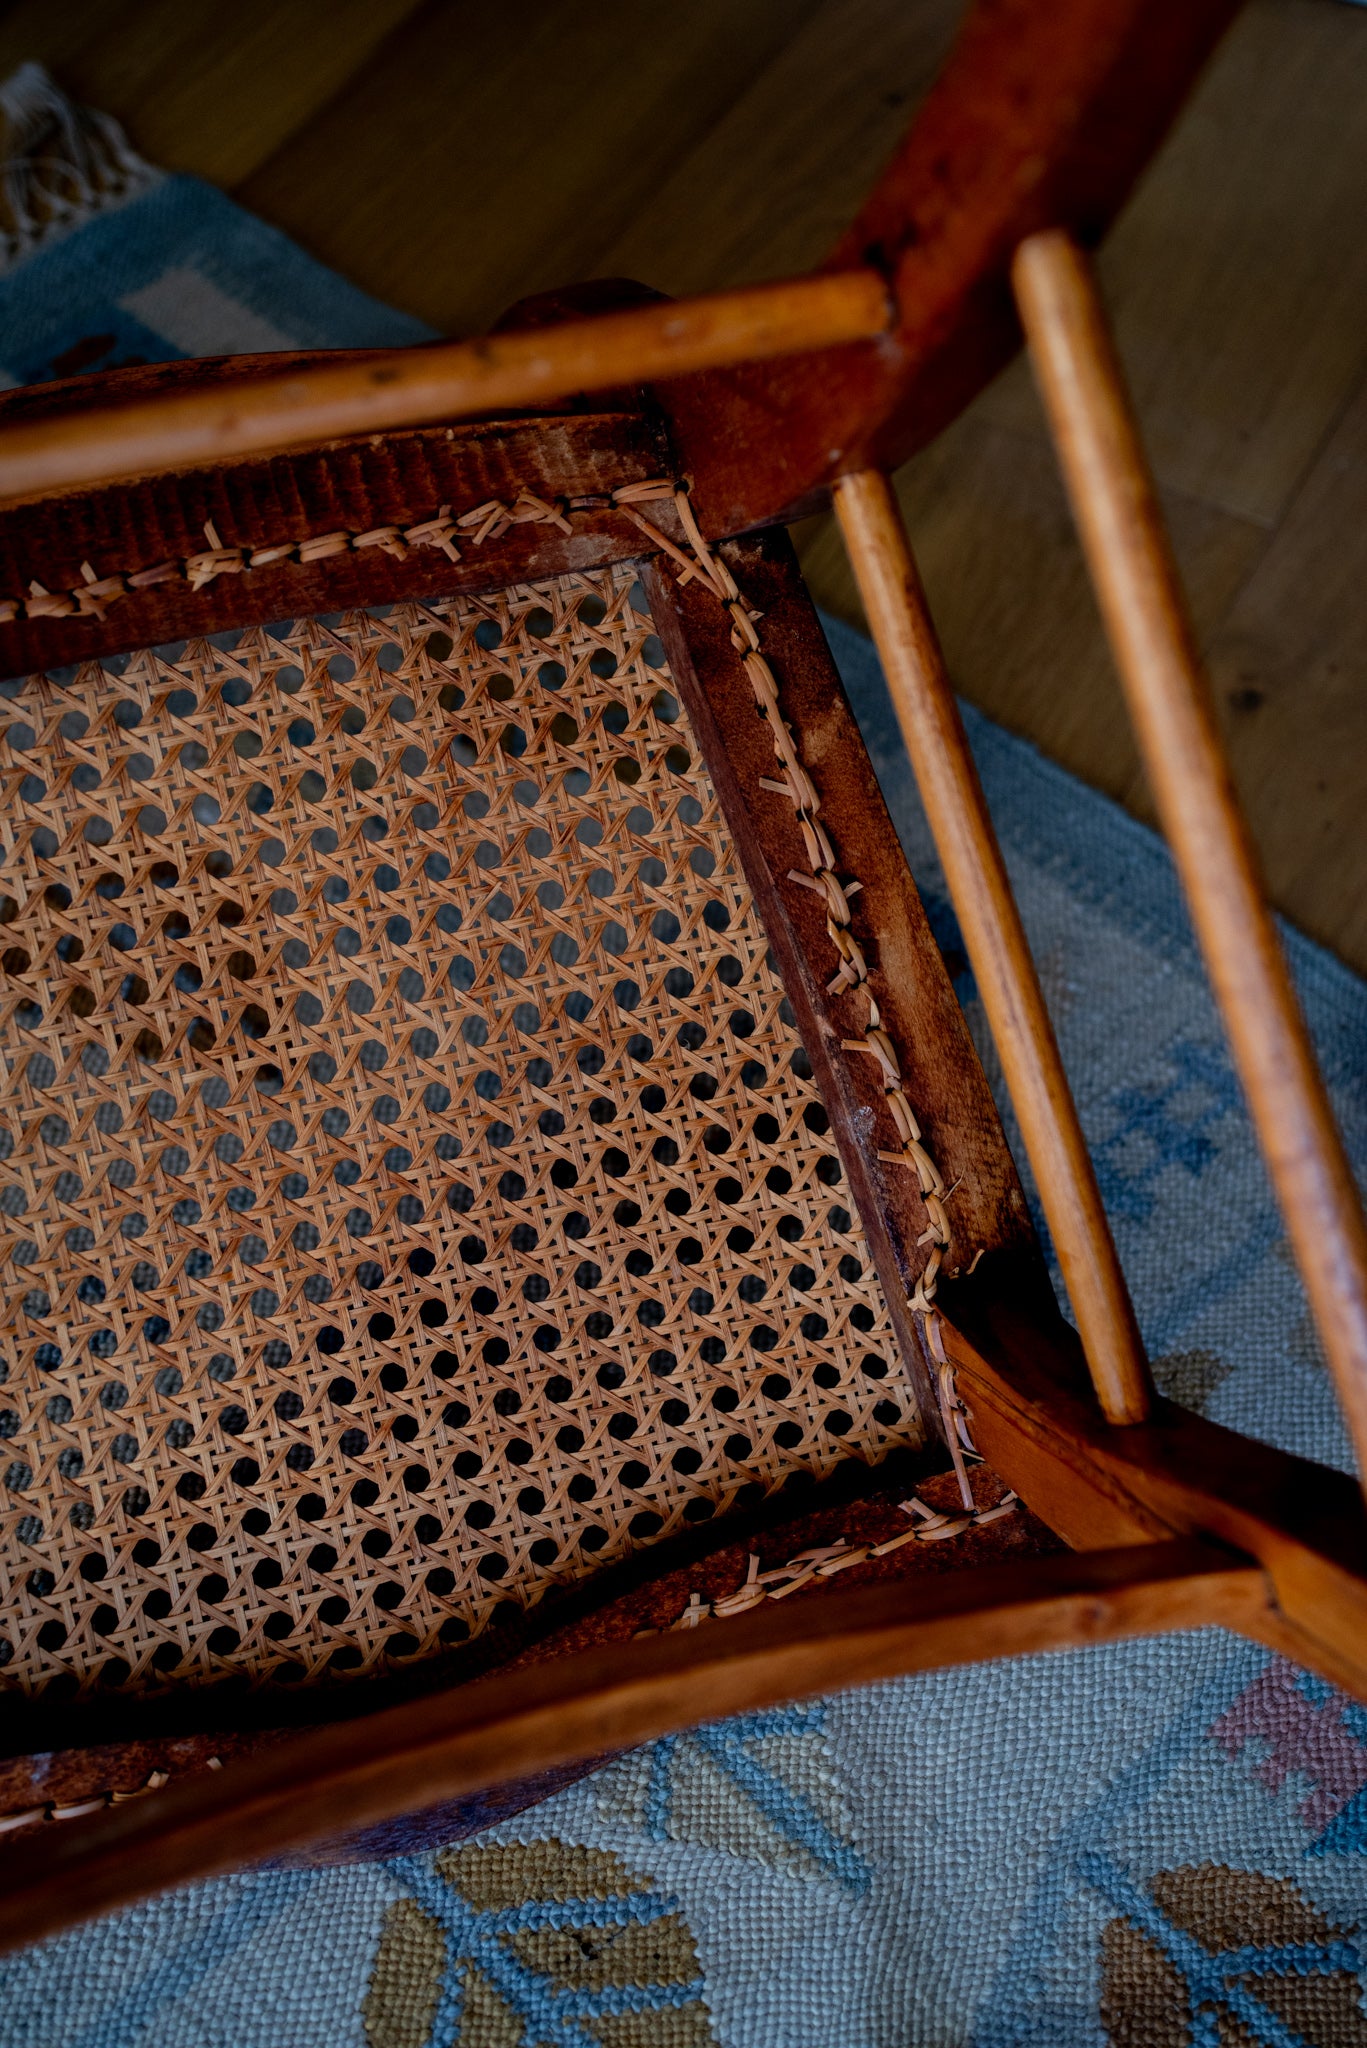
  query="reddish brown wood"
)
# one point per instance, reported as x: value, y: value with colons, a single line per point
x: 357, y: 486
x: 1044, y: 115
x: 1021, y: 1375
x: 956, y: 808
x: 67, y: 1776
x: 510, y: 372
x: 942, y: 1075
x: 604, y: 1700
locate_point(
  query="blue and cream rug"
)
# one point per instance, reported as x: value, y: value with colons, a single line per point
x: 1149, y: 1845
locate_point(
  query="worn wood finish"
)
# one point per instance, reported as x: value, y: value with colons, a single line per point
x: 349, y: 490
x: 909, y: 982
x: 1174, y: 718
x: 1035, y: 119
x: 1021, y: 1376
x: 1102, y: 1487
x: 607, y: 1699
x: 1040, y: 116
x: 995, y: 938
x: 855, y: 1510
x: 1235, y: 276
x: 509, y: 372
x: 1237, y: 285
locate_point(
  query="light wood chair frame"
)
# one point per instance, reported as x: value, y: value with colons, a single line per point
x: 762, y: 405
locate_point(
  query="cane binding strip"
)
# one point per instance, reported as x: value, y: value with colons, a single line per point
x: 93, y: 596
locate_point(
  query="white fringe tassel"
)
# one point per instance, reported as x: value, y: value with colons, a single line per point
x: 63, y: 164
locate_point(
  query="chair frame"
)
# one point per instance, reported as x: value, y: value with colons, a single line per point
x: 762, y: 405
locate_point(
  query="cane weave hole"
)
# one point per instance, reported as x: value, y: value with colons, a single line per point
x: 413, y: 1189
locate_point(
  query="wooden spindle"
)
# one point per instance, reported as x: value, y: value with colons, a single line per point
x: 880, y: 554
x: 1174, y: 717
x: 511, y: 372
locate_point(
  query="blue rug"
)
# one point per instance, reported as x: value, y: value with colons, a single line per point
x: 1154, y: 1843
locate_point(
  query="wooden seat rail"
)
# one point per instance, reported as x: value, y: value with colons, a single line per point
x: 767, y: 401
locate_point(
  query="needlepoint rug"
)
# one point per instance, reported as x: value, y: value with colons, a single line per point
x: 1148, y: 1845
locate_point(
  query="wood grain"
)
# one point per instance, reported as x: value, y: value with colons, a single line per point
x: 1034, y: 119
x: 507, y: 373
x: 92, y: 1749
x: 767, y: 189
x: 1037, y: 117
x: 1239, y: 312
x: 517, y: 143
x: 274, y: 501
x: 1170, y: 705
x: 995, y: 938
x: 998, y: 553
x: 1287, y: 664
x: 604, y: 1700
x: 908, y: 980
x: 211, y: 90
x: 1238, y: 276
x: 1020, y: 1371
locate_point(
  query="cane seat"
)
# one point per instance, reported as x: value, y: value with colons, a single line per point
x: 415, y: 1188
x: 501, y: 1205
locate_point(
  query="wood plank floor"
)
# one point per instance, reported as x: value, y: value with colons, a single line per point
x: 451, y: 156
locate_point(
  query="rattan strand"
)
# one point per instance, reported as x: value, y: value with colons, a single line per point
x: 95, y: 593
x: 415, y: 1193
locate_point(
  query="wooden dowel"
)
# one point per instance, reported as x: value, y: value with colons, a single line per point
x: 957, y: 810
x: 601, y: 1701
x: 1174, y: 717
x: 415, y: 386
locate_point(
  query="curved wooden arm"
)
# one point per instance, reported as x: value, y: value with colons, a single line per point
x: 1044, y: 115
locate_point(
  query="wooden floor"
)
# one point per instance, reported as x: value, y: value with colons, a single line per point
x: 450, y: 156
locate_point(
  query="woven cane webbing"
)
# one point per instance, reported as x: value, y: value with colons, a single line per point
x: 413, y: 1191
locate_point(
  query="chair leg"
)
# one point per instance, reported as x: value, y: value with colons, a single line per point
x: 1174, y: 718
x: 957, y: 810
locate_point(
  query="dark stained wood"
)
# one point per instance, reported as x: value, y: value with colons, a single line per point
x: 1043, y: 116
x: 942, y: 1075
x: 1040, y: 118
x: 111, y: 1744
x: 399, y: 479
x: 610, y: 1614
x: 604, y: 1700
x: 507, y: 373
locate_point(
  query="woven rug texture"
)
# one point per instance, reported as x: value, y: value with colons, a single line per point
x: 1148, y: 1845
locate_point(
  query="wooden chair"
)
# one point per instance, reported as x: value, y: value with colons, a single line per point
x: 460, y: 992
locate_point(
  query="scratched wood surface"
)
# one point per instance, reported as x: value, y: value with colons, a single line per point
x: 452, y: 157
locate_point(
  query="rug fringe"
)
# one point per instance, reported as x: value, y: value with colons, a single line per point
x: 63, y: 164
